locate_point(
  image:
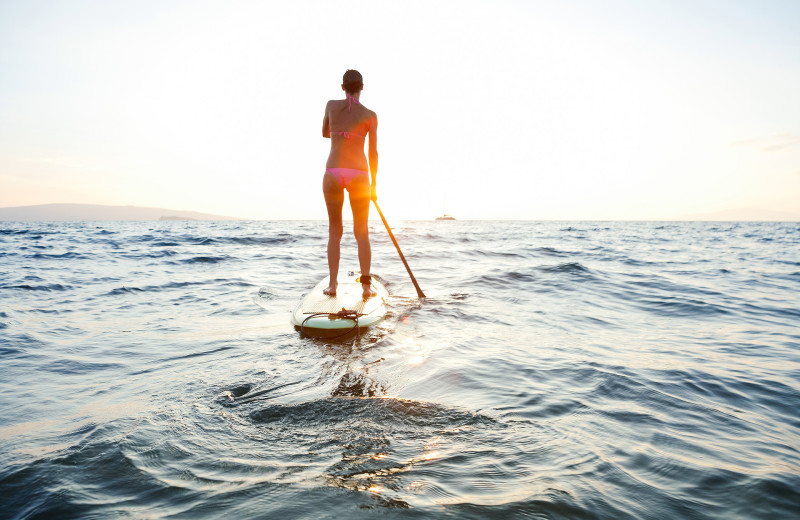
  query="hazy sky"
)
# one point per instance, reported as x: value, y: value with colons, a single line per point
x: 487, y: 109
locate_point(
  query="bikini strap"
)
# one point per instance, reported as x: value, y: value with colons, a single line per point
x: 350, y: 99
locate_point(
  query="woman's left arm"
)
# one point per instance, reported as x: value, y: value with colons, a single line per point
x: 373, y: 153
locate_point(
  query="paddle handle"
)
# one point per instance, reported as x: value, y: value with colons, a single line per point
x: 403, y: 258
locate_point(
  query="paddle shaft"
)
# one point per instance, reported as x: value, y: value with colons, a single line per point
x: 388, y: 229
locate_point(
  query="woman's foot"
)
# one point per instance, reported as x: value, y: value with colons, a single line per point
x: 331, y: 289
x: 368, y: 292
x: 366, y: 281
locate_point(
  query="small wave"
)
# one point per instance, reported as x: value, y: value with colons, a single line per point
x: 260, y: 241
x: 503, y: 280
x: 77, y: 366
x: 265, y: 294
x: 25, y: 232
x: 172, y: 241
x: 495, y: 254
x: 63, y: 256
x: 203, y: 260
x: 240, y: 390
x: 235, y: 283
x: 46, y: 288
x: 247, y: 393
x: 568, y: 267
x: 198, y: 354
x: 552, y: 408
x: 151, y: 254
x: 679, y: 306
x: 637, y: 263
x: 174, y: 285
x: 358, y: 385
x: 382, y: 410
x: 549, y: 251
x: 123, y: 290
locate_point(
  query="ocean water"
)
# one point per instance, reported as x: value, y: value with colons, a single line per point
x: 555, y: 370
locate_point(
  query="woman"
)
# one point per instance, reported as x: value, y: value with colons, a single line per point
x: 347, y: 122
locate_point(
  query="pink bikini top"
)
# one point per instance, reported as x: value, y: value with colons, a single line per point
x: 346, y: 135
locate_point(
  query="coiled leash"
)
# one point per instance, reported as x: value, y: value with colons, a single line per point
x: 343, y: 314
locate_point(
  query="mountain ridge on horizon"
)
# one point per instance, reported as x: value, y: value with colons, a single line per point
x: 66, y: 211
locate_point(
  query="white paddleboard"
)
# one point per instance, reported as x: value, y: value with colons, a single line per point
x: 321, y: 315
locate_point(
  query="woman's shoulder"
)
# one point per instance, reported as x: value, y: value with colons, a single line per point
x: 370, y: 113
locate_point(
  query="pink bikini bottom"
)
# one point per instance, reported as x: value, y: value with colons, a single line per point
x: 345, y: 176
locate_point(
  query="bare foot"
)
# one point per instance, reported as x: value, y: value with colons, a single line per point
x: 368, y: 292
x: 331, y: 289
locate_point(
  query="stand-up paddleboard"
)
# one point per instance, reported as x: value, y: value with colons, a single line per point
x: 320, y: 315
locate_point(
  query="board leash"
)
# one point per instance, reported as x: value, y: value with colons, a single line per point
x: 344, y: 314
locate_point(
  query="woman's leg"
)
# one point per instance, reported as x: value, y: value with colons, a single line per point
x: 359, y: 203
x: 334, y: 199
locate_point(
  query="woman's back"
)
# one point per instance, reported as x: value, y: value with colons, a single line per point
x: 348, y: 123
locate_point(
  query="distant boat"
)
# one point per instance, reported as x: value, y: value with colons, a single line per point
x: 446, y: 217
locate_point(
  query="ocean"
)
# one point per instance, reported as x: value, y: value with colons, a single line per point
x: 570, y: 370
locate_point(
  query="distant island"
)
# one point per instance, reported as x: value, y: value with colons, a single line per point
x: 81, y: 212
x: 175, y: 217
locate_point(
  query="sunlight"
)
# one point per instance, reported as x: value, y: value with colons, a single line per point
x: 417, y: 354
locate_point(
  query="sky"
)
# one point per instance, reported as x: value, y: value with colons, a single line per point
x: 496, y: 109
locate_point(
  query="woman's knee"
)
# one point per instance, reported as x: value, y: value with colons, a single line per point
x: 335, y: 230
x: 361, y: 232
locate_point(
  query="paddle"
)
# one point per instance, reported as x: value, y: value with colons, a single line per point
x: 414, y: 280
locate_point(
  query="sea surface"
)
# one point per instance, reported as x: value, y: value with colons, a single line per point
x: 570, y: 370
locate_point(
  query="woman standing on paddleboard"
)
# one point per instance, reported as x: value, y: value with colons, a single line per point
x: 347, y: 123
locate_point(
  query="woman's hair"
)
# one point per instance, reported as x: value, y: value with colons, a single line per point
x: 352, y: 81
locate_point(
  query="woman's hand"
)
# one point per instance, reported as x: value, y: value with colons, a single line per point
x: 373, y: 194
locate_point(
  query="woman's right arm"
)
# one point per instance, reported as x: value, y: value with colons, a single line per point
x: 326, y: 124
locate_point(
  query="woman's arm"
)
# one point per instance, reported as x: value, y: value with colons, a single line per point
x: 373, y: 152
x: 326, y: 124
